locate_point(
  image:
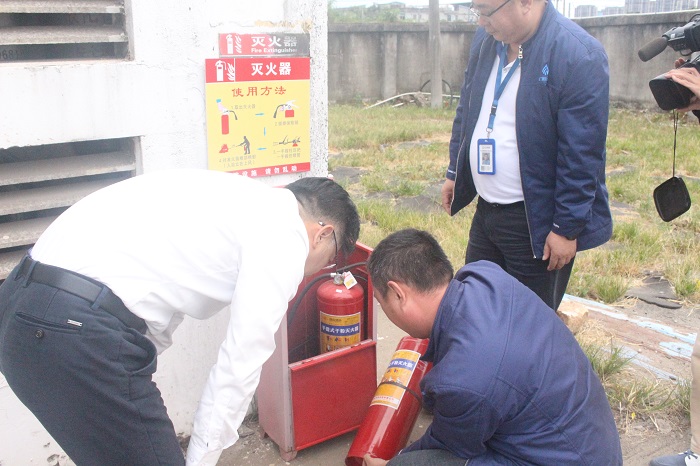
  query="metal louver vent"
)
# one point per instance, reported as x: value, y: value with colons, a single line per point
x: 33, y: 30
x: 38, y: 183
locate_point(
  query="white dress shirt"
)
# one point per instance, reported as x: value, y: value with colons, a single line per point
x: 190, y: 242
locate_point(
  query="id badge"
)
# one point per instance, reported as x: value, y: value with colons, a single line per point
x: 486, y: 156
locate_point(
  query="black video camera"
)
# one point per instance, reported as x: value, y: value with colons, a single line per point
x: 685, y: 39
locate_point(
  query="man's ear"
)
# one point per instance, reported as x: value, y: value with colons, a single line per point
x: 324, y: 232
x: 399, y: 291
x: 318, y: 233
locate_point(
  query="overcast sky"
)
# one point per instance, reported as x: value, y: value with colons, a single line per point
x: 574, y: 3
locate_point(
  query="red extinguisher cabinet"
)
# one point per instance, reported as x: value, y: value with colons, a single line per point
x: 307, y: 396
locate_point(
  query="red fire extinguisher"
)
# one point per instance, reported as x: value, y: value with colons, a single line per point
x: 395, y: 406
x: 341, y: 313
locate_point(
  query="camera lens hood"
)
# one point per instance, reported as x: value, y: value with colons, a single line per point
x: 669, y: 94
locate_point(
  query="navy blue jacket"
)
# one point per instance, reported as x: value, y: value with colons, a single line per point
x: 509, y: 384
x: 561, y: 128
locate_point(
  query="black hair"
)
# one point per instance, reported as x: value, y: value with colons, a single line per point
x: 326, y: 201
x: 411, y: 256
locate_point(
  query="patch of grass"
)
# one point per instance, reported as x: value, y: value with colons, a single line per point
x: 355, y: 127
x: 407, y: 188
x: 630, y: 395
x: 609, y: 289
x: 682, y: 397
x: 374, y: 182
x: 639, y: 397
x: 685, y: 279
x: 381, y: 218
x: 606, y: 362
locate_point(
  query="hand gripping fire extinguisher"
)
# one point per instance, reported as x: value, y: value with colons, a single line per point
x: 395, y: 406
x: 340, y: 302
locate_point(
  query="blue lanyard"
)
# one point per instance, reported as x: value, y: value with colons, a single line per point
x: 501, y: 85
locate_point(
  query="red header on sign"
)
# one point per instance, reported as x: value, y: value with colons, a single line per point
x: 228, y: 70
x: 275, y: 44
x: 274, y: 170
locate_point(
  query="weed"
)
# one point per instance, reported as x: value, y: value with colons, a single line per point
x: 606, y: 362
x: 682, y: 397
x: 630, y: 395
x: 639, y: 397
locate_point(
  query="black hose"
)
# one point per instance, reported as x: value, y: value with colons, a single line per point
x: 292, y: 312
x: 351, y: 266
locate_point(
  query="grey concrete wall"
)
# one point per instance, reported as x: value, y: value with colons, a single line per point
x: 372, y: 62
x: 622, y: 37
x: 378, y: 61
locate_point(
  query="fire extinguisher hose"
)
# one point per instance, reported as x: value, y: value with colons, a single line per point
x: 292, y: 312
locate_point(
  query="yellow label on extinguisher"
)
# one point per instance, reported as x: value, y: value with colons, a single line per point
x: 339, y: 331
x: 400, y: 370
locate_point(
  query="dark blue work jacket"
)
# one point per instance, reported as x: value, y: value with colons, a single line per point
x: 561, y: 127
x: 510, y: 385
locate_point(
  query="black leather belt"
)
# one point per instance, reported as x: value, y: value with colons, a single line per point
x: 499, y: 206
x: 80, y: 286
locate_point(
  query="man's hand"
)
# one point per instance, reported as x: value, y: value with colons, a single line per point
x: 448, y: 193
x: 370, y: 461
x: 690, y: 78
x: 558, y: 250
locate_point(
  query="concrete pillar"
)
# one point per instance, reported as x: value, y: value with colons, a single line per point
x: 390, y: 45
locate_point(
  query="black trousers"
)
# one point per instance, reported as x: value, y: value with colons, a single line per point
x: 499, y: 233
x: 85, y: 375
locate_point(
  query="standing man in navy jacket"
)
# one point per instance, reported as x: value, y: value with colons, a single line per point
x: 529, y: 139
x: 509, y: 384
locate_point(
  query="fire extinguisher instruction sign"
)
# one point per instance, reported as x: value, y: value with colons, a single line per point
x: 258, y: 119
x: 399, y: 371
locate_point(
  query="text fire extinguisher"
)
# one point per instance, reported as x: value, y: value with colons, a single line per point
x: 395, y: 406
x: 340, y: 303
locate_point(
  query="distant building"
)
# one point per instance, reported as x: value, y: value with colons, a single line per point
x: 450, y: 13
x: 612, y: 10
x: 658, y: 6
x: 584, y: 11
x: 456, y: 12
x: 416, y: 14
x: 634, y: 6
x: 637, y: 7
x: 460, y: 12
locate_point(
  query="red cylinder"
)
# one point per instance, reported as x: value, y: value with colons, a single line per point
x: 393, y: 410
x: 341, y: 315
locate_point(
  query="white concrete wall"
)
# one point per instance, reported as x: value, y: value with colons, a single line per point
x: 158, y: 97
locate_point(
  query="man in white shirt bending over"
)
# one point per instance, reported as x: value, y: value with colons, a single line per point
x: 85, y: 314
